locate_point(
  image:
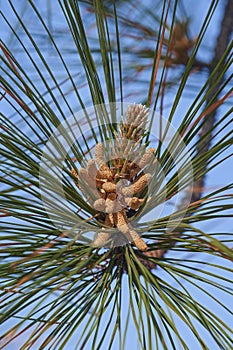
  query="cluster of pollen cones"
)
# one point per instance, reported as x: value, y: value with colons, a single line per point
x: 116, y: 179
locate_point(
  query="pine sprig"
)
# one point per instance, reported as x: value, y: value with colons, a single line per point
x: 59, y: 291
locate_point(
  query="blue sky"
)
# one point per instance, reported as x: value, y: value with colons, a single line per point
x: 217, y: 178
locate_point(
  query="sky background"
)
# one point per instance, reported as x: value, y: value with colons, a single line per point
x: 217, y: 178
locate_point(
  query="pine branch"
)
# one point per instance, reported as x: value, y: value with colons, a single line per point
x: 222, y: 42
x: 209, y: 121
